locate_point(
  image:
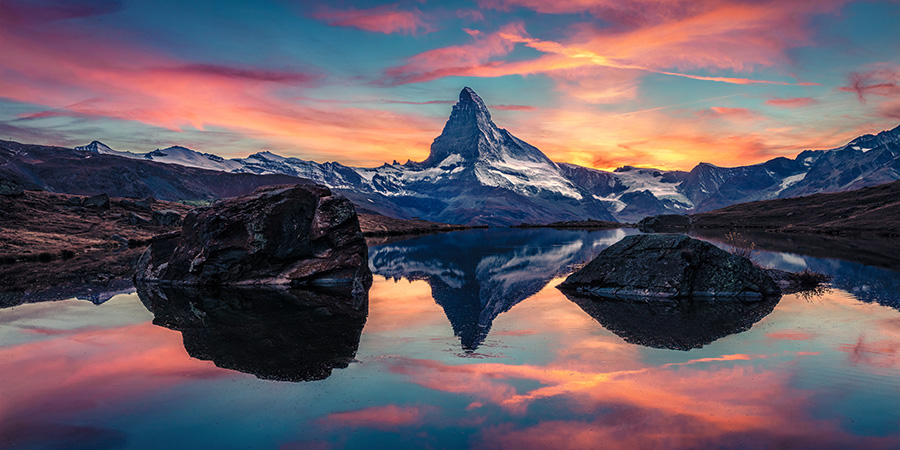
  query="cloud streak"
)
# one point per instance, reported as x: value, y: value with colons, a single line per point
x: 388, y: 19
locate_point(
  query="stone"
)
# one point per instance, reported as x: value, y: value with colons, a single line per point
x: 665, y: 222
x: 140, y: 204
x: 167, y: 218
x: 653, y: 267
x: 98, y: 201
x: 10, y: 188
x: 137, y: 219
x: 298, y: 235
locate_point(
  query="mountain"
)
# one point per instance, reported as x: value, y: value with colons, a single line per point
x: 480, y: 174
x: 61, y: 170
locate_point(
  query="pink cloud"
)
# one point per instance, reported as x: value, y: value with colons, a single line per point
x: 387, y: 19
x: 796, y: 102
x: 514, y: 107
x: 881, y: 82
x: 735, y: 113
x: 85, y: 75
x: 457, y: 60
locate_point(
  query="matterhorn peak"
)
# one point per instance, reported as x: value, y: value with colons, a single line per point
x: 472, y: 136
x: 471, y: 103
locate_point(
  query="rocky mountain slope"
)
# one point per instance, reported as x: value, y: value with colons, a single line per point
x: 872, y: 209
x: 61, y: 170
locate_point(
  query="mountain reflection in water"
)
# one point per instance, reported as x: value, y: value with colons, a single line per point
x: 275, y: 334
x: 477, y: 275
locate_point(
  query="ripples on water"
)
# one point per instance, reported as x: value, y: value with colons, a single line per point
x: 467, y: 343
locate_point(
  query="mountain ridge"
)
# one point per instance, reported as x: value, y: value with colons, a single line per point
x: 480, y: 174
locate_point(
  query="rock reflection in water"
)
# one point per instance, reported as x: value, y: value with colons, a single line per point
x: 476, y: 275
x: 275, y: 334
x: 675, y: 325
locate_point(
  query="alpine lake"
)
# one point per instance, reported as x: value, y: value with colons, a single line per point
x: 465, y: 343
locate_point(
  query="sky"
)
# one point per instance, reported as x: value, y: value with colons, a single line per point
x: 653, y: 83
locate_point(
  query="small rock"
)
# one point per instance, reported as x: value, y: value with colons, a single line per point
x: 136, y: 219
x: 74, y: 201
x: 10, y: 188
x: 167, y: 218
x: 98, y: 201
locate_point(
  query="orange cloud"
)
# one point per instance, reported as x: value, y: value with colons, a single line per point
x: 796, y: 102
x: 89, y: 77
x: 385, y: 19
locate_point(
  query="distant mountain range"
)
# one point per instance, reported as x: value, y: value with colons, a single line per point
x: 480, y: 174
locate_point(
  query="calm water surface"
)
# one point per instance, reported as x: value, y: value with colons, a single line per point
x: 467, y: 343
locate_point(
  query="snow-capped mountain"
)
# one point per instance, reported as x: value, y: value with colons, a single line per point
x: 478, y: 173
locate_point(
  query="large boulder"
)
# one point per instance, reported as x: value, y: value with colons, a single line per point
x: 651, y: 267
x: 298, y: 235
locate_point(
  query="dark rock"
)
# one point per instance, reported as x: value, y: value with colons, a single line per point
x: 651, y: 267
x: 299, y: 235
x: 676, y: 326
x: 123, y: 243
x: 98, y: 201
x: 272, y: 333
x: 10, y: 188
x: 74, y: 201
x: 664, y: 222
x: 140, y: 205
x: 136, y: 219
x: 167, y: 218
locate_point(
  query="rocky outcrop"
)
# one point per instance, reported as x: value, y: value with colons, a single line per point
x: 98, y: 201
x: 167, y: 217
x: 665, y: 222
x: 651, y: 267
x: 298, y: 235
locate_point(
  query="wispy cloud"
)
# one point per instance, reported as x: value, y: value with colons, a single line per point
x: 794, y: 102
x: 881, y: 82
x: 387, y: 19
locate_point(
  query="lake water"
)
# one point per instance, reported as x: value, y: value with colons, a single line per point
x: 467, y: 343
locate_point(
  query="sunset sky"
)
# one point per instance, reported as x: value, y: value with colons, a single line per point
x: 662, y: 83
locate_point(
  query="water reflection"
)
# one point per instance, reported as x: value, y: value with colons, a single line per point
x: 675, y: 326
x: 275, y: 334
x: 868, y: 267
x: 479, y: 274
